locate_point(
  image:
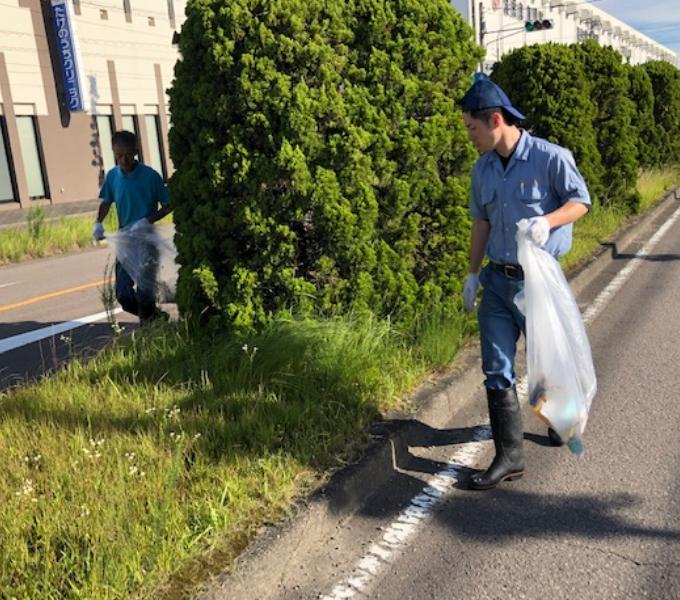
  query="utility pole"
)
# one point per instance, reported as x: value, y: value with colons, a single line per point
x: 482, y: 32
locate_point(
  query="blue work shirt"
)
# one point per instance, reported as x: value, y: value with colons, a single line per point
x: 136, y: 195
x: 540, y: 178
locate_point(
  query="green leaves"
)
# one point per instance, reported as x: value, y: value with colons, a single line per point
x: 613, y: 117
x: 320, y: 160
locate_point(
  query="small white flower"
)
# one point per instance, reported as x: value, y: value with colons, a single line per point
x: 245, y: 348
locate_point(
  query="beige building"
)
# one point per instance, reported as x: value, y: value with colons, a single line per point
x: 500, y: 26
x: 71, y: 73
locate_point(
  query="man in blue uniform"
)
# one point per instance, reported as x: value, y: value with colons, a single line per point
x: 517, y: 177
x: 141, y: 199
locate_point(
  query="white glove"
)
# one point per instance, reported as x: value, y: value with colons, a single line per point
x: 98, y: 231
x: 470, y: 291
x: 140, y: 225
x: 538, y: 231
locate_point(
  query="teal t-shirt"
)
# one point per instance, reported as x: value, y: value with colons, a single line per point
x: 136, y: 195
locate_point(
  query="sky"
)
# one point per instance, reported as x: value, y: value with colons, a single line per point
x: 657, y: 19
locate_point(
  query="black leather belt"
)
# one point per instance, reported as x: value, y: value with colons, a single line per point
x: 509, y: 271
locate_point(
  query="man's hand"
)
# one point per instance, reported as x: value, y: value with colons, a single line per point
x: 538, y: 231
x: 98, y: 231
x: 470, y: 291
x: 141, y: 225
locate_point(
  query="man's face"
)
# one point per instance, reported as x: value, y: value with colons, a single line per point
x: 125, y: 157
x: 483, y: 135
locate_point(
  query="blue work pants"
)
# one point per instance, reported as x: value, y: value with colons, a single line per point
x: 500, y: 325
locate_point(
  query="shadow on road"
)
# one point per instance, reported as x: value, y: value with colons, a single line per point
x: 32, y: 362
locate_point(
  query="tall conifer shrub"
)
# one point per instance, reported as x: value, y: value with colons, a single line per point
x: 321, y: 159
x: 550, y: 87
x: 665, y: 80
x: 609, y: 90
x: 642, y: 94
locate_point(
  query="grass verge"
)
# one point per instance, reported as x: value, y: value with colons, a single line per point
x: 132, y: 476
x: 40, y: 237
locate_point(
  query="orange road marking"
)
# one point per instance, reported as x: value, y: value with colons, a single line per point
x: 53, y: 295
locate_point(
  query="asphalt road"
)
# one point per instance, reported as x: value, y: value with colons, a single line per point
x: 604, y: 528
x: 39, y: 294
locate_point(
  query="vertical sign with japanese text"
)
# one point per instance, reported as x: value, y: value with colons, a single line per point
x: 68, y: 53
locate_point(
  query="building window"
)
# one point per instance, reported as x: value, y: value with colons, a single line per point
x: 131, y: 124
x: 105, y: 132
x: 127, y: 10
x: 506, y: 7
x: 171, y: 10
x: 76, y: 6
x: 104, y: 14
x: 7, y: 183
x: 153, y: 132
x: 29, y: 142
x: 152, y: 22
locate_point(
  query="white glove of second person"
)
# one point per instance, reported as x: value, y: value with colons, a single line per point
x: 470, y: 291
x: 98, y: 231
x: 140, y: 225
x: 538, y: 231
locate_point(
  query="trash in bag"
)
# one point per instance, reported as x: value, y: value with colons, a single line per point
x: 562, y: 382
x: 149, y: 259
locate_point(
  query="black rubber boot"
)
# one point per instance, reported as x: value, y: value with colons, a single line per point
x: 554, y: 437
x: 508, y: 437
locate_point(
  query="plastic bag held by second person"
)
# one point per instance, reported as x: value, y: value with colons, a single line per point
x: 562, y: 380
x: 148, y: 258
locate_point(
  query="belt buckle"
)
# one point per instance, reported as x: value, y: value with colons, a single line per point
x: 509, y: 271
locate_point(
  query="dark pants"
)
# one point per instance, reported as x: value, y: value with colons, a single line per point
x: 140, y: 301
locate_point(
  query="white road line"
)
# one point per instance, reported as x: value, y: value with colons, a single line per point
x: 622, y: 276
x: 397, y: 535
x: 23, y: 339
x: 4, y: 285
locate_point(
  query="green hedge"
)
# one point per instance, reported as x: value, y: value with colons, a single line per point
x: 321, y: 158
x: 665, y: 79
x: 615, y: 118
x: 549, y: 86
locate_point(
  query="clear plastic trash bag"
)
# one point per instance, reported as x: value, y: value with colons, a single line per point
x: 562, y: 381
x: 149, y: 259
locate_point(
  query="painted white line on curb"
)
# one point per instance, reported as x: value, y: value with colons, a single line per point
x: 23, y: 339
x: 622, y: 276
x: 397, y: 534
x: 400, y: 530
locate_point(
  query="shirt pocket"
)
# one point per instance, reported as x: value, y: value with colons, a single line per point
x: 487, y: 197
x: 532, y: 191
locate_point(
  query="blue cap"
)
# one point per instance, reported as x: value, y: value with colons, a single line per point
x: 486, y: 94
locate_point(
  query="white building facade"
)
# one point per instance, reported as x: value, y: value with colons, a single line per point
x: 500, y: 27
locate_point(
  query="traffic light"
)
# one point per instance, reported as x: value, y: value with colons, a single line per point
x: 539, y: 25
